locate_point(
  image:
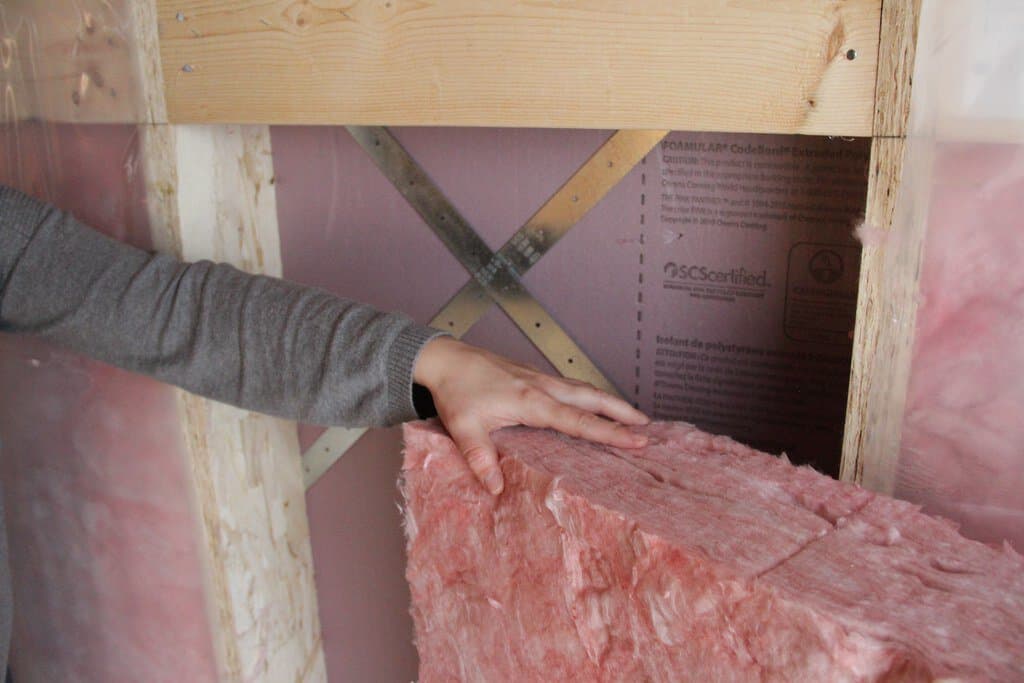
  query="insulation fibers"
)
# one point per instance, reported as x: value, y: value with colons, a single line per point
x: 962, y: 448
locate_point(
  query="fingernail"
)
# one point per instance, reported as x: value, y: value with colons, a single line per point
x: 639, y: 440
x: 495, y: 484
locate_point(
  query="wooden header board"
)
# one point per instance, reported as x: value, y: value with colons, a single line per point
x: 787, y: 66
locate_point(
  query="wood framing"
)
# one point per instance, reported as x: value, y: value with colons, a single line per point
x: 211, y: 195
x: 787, y: 66
x: 887, y: 290
x: 695, y: 65
x: 897, y: 47
x: 211, y: 198
x: 69, y: 63
x: 824, y: 67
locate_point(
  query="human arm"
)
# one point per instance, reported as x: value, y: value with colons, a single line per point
x: 269, y: 345
x: 256, y: 342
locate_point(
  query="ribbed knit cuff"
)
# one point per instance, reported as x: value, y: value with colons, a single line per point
x: 401, y: 360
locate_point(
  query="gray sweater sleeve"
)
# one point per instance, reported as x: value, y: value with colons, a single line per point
x: 252, y: 341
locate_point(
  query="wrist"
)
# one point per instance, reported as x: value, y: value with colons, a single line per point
x: 433, y: 361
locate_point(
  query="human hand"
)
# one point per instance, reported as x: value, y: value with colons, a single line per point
x: 477, y: 392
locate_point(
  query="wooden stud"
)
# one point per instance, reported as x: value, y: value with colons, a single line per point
x: 886, y: 303
x: 210, y: 195
x: 787, y: 66
x: 897, y: 46
x: 246, y: 468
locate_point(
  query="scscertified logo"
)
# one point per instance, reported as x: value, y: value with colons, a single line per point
x: 713, y: 276
x: 826, y: 266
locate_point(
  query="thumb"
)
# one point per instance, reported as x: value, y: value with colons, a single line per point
x: 474, y: 442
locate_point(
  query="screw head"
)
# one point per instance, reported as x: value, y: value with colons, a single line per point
x: 851, y: 54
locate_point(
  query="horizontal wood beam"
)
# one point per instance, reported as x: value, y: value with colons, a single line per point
x: 72, y: 62
x: 787, y: 66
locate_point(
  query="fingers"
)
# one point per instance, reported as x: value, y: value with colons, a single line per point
x: 594, y: 400
x: 474, y: 441
x: 584, y: 424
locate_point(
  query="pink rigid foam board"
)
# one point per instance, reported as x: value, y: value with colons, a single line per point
x: 695, y: 558
x: 748, y: 287
x: 736, y: 247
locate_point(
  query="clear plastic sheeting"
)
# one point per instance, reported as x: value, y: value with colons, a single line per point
x: 962, y: 449
x: 105, y: 568
x: 106, y: 573
x: 69, y: 60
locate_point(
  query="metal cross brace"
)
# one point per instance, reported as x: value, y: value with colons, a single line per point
x: 496, y: 276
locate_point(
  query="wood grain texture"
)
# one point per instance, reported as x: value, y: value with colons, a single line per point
x: 210, y: 195
x: 897, y: 47
x: 886, y: 318
x: 251, y: 501
x: 215, y: 200
x: 693, y: 65
x: 873, y: 332
x: 70, y: 61
x: 887, y: 296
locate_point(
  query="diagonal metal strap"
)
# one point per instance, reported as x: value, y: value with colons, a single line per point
x: 588, y: 186
x: 496, y: 274
x: 599, y: 174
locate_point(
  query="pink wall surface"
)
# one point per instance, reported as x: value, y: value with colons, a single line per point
x: 105, y: 568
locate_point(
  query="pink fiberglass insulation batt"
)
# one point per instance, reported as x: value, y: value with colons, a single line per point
x: 103, y: 542
x: 695, y: 558
x: 963, y: 438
